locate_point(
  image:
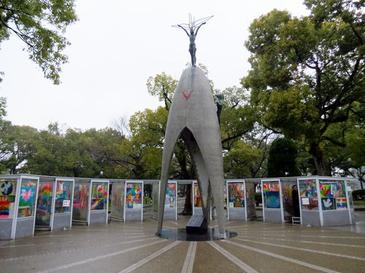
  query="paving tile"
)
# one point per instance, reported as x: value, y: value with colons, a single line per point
x: 170, y: 262
x: 118, y: 246
x: 209, y: 260
x: 331, y: 262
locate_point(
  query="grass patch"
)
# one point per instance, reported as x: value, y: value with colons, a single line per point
x: 359, y: 203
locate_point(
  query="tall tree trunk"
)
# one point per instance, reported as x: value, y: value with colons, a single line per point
x: 181, y: 155
x: 319, y: 160
x: 188, y: 207
x: 251, y: 201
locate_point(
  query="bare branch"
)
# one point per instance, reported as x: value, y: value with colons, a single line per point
x: 21, y: 35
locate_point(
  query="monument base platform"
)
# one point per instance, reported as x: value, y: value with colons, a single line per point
x: 180, y: 234
x: 197, y: 225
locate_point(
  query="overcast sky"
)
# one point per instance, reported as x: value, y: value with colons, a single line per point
x: 116, y: 46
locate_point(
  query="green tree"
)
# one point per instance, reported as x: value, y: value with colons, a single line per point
x: 163, y: 87
x: 146, y: 142
x: 355, y: 137
x: 103, y: 147
x: 237, y: 116
x: 92, y: 153
x: 282, y: 158
x: 307, y: 74
x: 95, y: 152
x: 2, y: 108
x: 20, y: 145
x: 40, y: 24
x: 49, y: 153
x: 242, y: 160
x: 244, y: 141
x: 352, y: 134
x: 4, y: 135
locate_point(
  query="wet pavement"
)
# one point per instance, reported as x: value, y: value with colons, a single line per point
x: 133, y: 247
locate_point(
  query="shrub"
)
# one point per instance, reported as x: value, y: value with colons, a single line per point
x: 358, y: 195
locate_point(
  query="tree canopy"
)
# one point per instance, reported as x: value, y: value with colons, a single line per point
x: 305, y: 88
x: 307, y: 74
x: 40, y: 24
x: 282, y: 158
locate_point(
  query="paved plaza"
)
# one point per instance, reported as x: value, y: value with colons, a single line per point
x: 133, y: 247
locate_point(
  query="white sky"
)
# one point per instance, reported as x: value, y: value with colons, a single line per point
x: 116, y: 46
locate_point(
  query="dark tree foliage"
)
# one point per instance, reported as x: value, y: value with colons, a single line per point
x: 282, y: 158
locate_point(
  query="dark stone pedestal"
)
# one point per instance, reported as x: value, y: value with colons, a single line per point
x: 180, y: 234
x: 197, y: 225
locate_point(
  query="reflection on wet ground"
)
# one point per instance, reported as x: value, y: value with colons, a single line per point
x: 133, y: 247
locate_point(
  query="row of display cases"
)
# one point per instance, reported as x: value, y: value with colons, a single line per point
x: 314, y: 201
x: 30, y: 202
x: 130, y: 205
x: 317, y: 201
x: 38, y: 202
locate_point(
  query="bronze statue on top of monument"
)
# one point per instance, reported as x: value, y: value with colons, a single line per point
x: 191, y: 29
